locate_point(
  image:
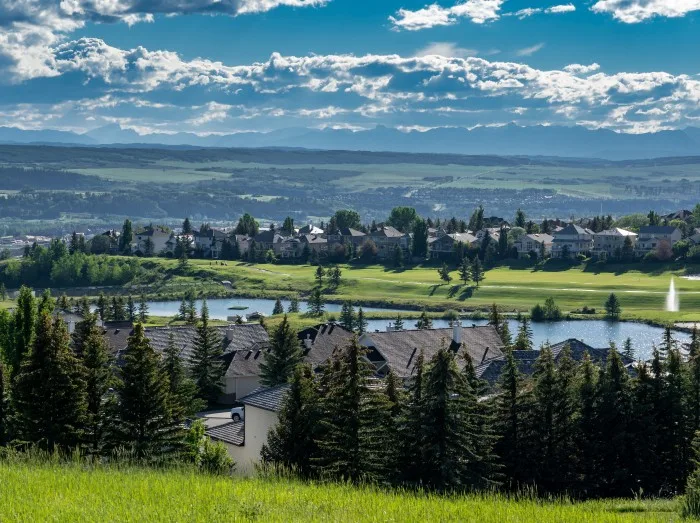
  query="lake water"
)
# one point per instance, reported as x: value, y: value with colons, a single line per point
x: 597, y: 333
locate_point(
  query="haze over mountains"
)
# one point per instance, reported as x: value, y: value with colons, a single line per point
x: 505, y: 140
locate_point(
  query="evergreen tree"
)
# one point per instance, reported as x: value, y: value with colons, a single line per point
x: 444, y: 273
x: 117, y: 309
x: 83, y: 307
x: 126, y: 237
x: 49, y: 392
x: 181, y: 388
x: 398, y: 323
x: 465, y: 271
x: 420, y: 239
x: 143, y: 423
x: 477, y: 271
x: 397, y: 256
x: 143, y: 309
x: 46, y: 303
x: 520, y: 219
x: 347, y: 316
x: 186, y: 226
x: 645, y: 466
x: 102, y: 308
x: 424, y: 322
x: 291, y: 443
x: 523, y: 341
x: 668, y: 342
x: 504, y: 333
x: 206, y: 367
x: 612, y: 307
x: 456, y: 454
x: 98, y: 380
x: 183, y: 310
x: 4, y: 406
x: 316, y: 303
x: 410, y: 426
x: 130, y: 308
x: 334, y: 275
x: 293, y: 305
x: 352, y: 438
x: 628, y: 349
x: 495, y: 317
x: 320, y: 273
x: 284, y: 355
x: 23, y: 321
x: 503, y: 247
x: 278, y: 308
x: 361, y: 322
x: 693, y: 394
x: 586, y: 431
x: 394, y: 399
x: 673, y: 449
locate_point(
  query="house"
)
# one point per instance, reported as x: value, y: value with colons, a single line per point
x: 315, y: 242
x: 347, y: 235
x: 695, y: 236
x: 611, y: 242
x: 651, y: 236
x: 261, y: 414
x: 157, y: 237
x: 398, y: 350
x: 273, y: 240
x: 209, y: 242
x: 310, y: 229
x: 491, y: 370
x: 443, y: 245
x: 537, y: 243
x: 320, y: 342
x: 571, y: 241
x: 386, y: 238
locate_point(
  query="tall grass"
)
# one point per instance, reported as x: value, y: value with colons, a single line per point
x: 59, y: 490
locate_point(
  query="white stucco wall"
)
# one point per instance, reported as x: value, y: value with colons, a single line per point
x: 258, y: 423
x: 241, y: 386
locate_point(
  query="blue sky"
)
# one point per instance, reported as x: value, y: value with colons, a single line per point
x: 207, y: 66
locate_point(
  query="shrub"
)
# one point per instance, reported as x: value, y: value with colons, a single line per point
x: 537, y: 313
x: 214, y: 458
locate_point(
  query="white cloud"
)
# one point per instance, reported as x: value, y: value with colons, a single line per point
x: 447, y: 49
x: 558, y: 9
x: 477, y: 11
x: 530, y: 11
x: 525, y: 13
x: 635, y: 11
x: 581, y: 69
x: 529, y: 51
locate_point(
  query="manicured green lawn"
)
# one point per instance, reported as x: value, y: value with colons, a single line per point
x: 642, y: 294
x: 73, y: 493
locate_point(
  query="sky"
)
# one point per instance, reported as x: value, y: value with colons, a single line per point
x: 226, y: 66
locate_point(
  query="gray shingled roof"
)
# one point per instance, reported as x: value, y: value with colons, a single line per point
x: 116, y: 333
x: 656, y: 229
x: 266, y: 398
x: 401, y: 348
x: 231, y: 433
x: 325, y: 339
x: 572, y: 228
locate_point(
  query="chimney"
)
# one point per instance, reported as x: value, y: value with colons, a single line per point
x: 307, y: 341
x: 457, y: 332
x: 229, y: 334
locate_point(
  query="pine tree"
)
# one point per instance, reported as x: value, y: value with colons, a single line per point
x: 465, y: 271
x: 361, y: 322
x: 673, y: 450
x: 477, y: 271
x: 99, y: 379
x: 628, y: 349
x: 334, y: 275
x: 352, y: 438
x: 4, y: 406
x: 398, y: 323
x: 397, y: 256
x: 668, y: 342
x: 424, y: 322
x: 117, y: 309
x: 46, y: 303
x: 291, y: 444
x: 523, y: 341
x: 347, y: 316
x: 143, y: 423
x: 320, y: 273
x: 316, y: 303
x: 143, y: 309
x: 126, y: 237
x: 278, y: 308
x: 130, y: 308
x: 82, y: 330
x: 83, y: 307
x: 183, y: 310
x: 455, y: 451
x: 586, y: 431
x: 284, y: 355
x: 495, y: 317
x: 49, y: 398
x: 206, y: 367
x: 612, y: 307
x: 102, y: 308
x: 182, y: 389
x: 410, y: 426
x: 645, y: 465
x: 293, y: 305
x: 394, y: 399
x: 444, y: 273
x: 23, y: 321
x: 504, y: 333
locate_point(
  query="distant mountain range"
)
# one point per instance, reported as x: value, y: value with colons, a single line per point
x: 507, y: 140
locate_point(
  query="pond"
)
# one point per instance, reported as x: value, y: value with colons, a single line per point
x: 597, y: 333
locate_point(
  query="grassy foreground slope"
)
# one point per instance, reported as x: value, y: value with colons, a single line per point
x: 642, y: 293
x: 54, y: 492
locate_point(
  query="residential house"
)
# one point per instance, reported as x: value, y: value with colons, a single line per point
x: 208, y: 243
x: 316, y: 242
x: 651, y: 236
x: 244, y: 441
x: 157, y: 237
x: 443, y: 245
x: 320, y: 342
x: 612, y: 241
x: 571, y: 241
x: 491, y: 370
x: 398, y: 350
x: 538, y: 243
x: 386, y: 238
x: 310, y: 229
x: 272, y: 240
x: 695, y: 236
x: 347, y: 235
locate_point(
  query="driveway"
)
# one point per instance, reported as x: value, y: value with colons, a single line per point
x: 214, y: 418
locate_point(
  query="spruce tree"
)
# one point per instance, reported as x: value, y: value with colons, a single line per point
x: 523, y: 341
x: 444, y: 273
x: 182, y: 390
x: 477, y: 271
x: 495, y: 317
x: 278, y: 308
x: 316, y: 303
x: 293, y: 305
x: 81, y: 332
x: 612, y: 307
x: 424, y: 322
x: 352, y: 438
x: 24, y: 319
x: 465, y: 271
x: 628, y: 349
x: 206, y: 367
x: 644, y: 425
x: 410, y: 426
x: 504, y: 333
x: 143, y: 309
x: 693, y: 385
x: 668, y: 342
x: 49, y: 391
x: 102, y: 307
x: 361, y: 322
x: 46, y: 303
x: 673, y: 450
x: 395, y: 400
x: 284, y: 355
x: 130, y: 308
x: 4, y: 406
x: 455, y: 451
x: 99, y: 378
x: 291, y: 444
x: 320, y: 273
x: 586, y: 431
x: 398, y: 323
x: 347, y: 316
x: 143, y: 424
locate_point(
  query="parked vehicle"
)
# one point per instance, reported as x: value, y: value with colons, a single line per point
x: 237, y: 413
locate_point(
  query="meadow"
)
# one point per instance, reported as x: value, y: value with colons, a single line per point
x: 72, y: 492
x: 641, y: 289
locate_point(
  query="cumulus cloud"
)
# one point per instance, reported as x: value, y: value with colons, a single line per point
x: 635, y: 11
x: 555, y: 9
x: 558, y: 9
x: 153, y: 89
x: 477, y: 11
